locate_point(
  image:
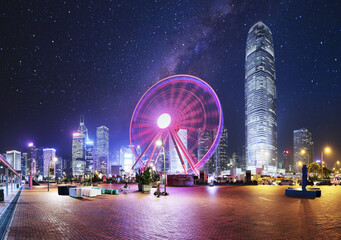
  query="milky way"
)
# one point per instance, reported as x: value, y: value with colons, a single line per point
x: 97, y: 58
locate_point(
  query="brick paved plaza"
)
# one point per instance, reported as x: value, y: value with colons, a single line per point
x: 201, y: 212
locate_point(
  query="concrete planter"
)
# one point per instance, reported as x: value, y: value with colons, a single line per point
x: 146, y: 188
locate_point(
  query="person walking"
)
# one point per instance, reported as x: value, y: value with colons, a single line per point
x: 158, y: 192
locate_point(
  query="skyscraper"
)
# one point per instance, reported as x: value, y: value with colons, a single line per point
x: 78, y: 149
x: 303, y: 147
x: 89, y: 157
x: 32, y: 159
x: 222, y: 152
x: 78, y: 154
x: 49, y: 156
x: 260, y: 100
x: 205, y: 140
x: 13, y: 157
x: 24, y: 164
x: 102, y: 149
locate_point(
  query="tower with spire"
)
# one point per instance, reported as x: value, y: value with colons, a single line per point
x: 79, y: 139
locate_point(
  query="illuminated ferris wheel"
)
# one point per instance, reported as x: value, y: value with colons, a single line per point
x: 179, y: 111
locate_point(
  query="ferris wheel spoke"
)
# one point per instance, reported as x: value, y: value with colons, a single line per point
x: 182, y: 98
x: 145, y: 116
x: 179, y: 153
x: 150, y: 157
x: 184, y: 150
x: 144, y: 151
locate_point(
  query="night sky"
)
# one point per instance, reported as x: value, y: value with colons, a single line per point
x: 60, y: 59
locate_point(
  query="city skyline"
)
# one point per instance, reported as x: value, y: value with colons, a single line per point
x: 307, y: 66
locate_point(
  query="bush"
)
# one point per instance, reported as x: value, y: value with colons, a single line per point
x: 146, y: 176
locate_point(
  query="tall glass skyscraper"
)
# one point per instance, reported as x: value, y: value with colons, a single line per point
x: 260, y: 100
x: 78, y: 149
x: 102, y: 149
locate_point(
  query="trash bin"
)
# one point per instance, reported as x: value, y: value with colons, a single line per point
x: 2, y: 197
x: 17, y: 185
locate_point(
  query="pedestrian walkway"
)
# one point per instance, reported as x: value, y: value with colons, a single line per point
x: 7, y: 209
x: 200, y: 212
x: 8, y: 199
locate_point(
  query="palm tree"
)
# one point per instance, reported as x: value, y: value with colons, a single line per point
x: 314, y: 168
x: 327, y: 172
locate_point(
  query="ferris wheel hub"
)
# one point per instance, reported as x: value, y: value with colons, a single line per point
x: 164, y: 120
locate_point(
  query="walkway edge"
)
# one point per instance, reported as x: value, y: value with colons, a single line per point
x: 16, y: 199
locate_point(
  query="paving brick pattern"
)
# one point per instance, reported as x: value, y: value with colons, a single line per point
x: 202, y: 212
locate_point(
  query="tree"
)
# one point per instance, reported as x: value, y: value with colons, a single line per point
x: 327, y: 172
x: 315, y: 169
x: 146, y: 176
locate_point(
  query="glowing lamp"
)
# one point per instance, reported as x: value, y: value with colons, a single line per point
x: 30, y: 144
x: 76, y: 134
x: 158, y: 143
x: 327, y: 150
x: 164, y: 120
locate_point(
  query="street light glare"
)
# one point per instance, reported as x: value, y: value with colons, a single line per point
x: 158, y: 143
x: 327, y: 149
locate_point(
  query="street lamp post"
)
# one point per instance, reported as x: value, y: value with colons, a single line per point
x: 326, y: 150
x: 48, y: 174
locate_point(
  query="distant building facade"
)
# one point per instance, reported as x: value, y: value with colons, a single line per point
x: 126, y: 158
x: 205, y: 140
x: 13, y: 157
x: 78, y: 154
x: 24, y: 165
x: 102, y: 149
x: 49, y: 161
x: 174, y: 159
x: 222, y: 152
x: 303, y: 147
x: 89, y: 157
x: 32, y: 159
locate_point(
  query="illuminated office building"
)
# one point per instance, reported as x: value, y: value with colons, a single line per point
x: 174, y: 159
x: 13, y: 157
x: 126, y: 158
x: 260, y: 101
x: 102, y: 149
x: 303, y: 147
x: 78, y: 149
x: 205, y: 140
x: 89, y: 157
x: 49, y: 163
